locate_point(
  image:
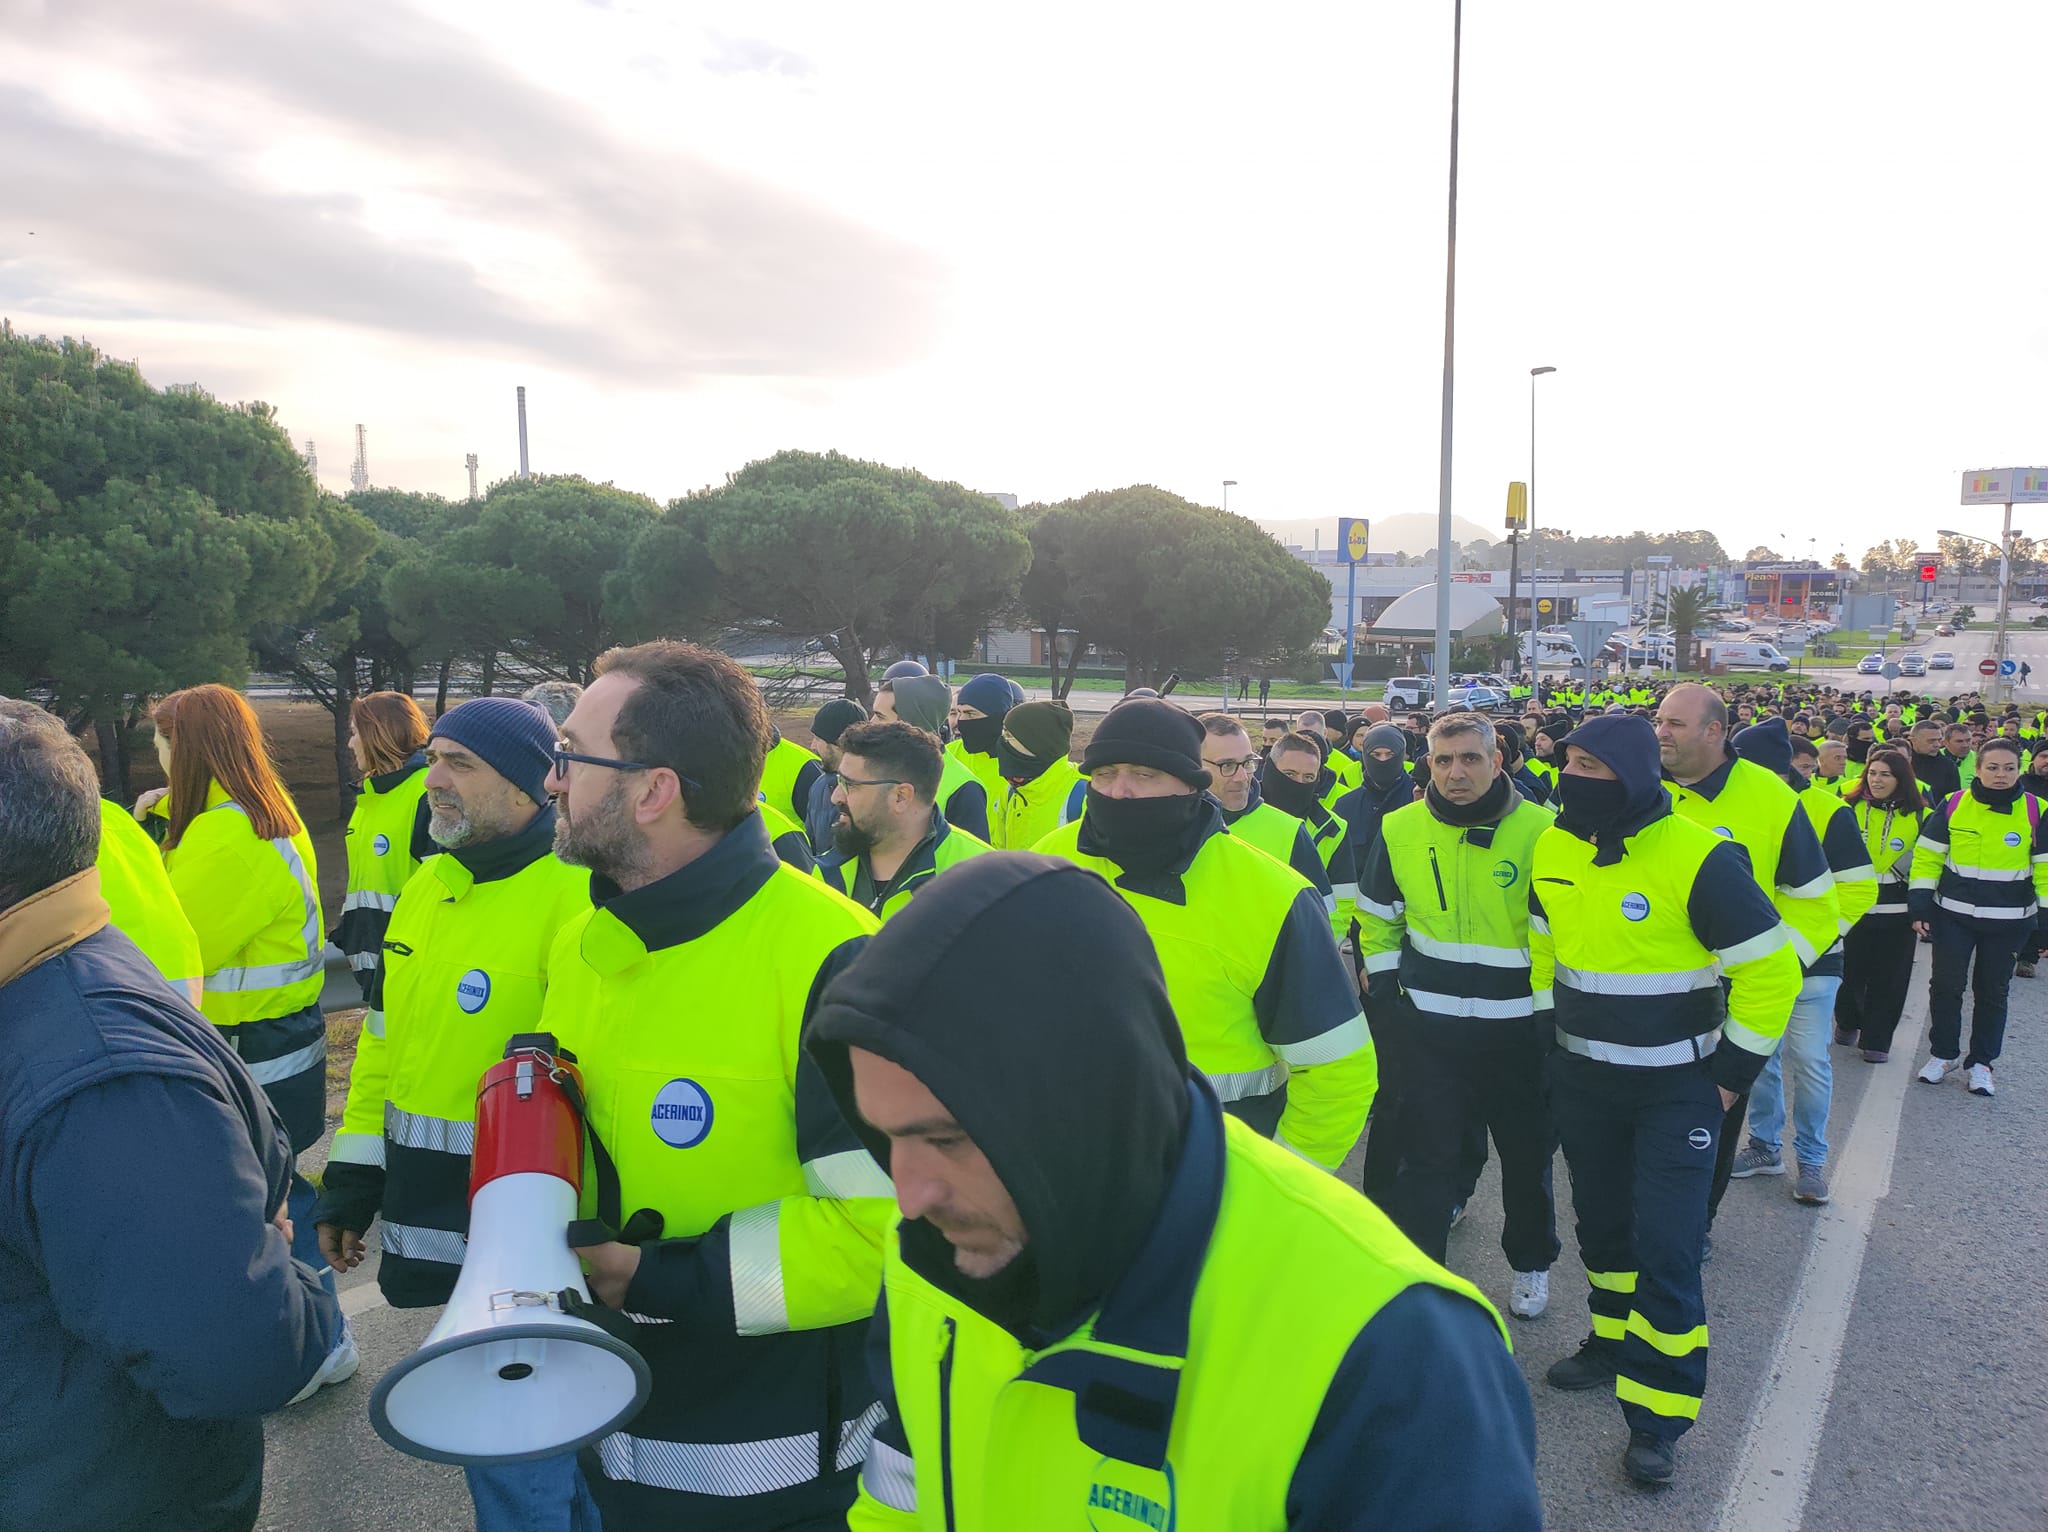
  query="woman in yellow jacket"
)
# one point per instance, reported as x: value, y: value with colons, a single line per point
x: 386, y: 833
x: 1877, y: 952
x: 239, y: 857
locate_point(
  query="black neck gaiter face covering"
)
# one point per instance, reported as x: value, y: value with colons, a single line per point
x: 1483, y: 810
x: 1590, y: 804
x: 1859, y: 750
x: 1384, y: 774
x: 1286, y: 794
x: 979, y: 735
x: 2000, y: 799
x: 1015, y: 765
x: 1144, y: 836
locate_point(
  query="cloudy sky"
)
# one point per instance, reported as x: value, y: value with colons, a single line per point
x: 1790, y: 260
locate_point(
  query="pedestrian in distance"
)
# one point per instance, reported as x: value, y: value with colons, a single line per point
x: 1218, y: 1335
x: 1980, y: 873
x: 134, y: 1391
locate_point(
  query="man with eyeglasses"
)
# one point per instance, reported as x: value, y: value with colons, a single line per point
x: 747, y: 1270
x: 890, y: 838
x: 1269, y: 1008
x: 1228, y: 755
x: 464, y: 966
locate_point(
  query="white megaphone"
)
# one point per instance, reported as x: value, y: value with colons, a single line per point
x: 509, y: 1373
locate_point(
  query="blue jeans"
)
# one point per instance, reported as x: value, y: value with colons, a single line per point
x: 1805, y: 1052
x: 541, y: 1495
x: 298, y: 1206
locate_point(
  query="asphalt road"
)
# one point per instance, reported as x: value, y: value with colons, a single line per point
x: 1876, y: 1365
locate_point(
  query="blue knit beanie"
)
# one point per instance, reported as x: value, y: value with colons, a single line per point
x: 990, y: 693
x: 515, y: 739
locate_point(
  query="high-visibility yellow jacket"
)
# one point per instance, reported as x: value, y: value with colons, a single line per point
x: 787, y: 775
x: 1743, y: 802
x: 1315, y: 847
x: 255, y: 906
x: 1980, y: 863
x: 942, y: 848
x: 464, y: 967
x: 380, y: 860
x: 1266, y: 1004
x: 142, y: 903
x: 1024, y: 813
x: 1889, y: 837
x: 1629, y: 956
x: 1206, y: 1393
x: 1447, y: 907
x: 1849, y: 864
x: 683, y: 1002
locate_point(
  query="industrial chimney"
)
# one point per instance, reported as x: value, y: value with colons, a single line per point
x: 524, y: 472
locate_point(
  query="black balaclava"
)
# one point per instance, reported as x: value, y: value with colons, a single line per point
x: 1382, y: 775
x: 1086, y: 1154
x: 1608, y: 811
x: 990, y: 694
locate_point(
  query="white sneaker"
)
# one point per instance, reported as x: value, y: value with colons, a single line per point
x: 1934, y: 1071
x: 1532, y: 1294
x: 1980, y: 1080
x: 340, y: 1366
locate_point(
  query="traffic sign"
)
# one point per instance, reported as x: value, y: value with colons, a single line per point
x: 2008, y: 667
x: 1891, y: 670
x: 1987, y: 667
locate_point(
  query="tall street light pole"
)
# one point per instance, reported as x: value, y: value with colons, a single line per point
x: 1226, y: 492
x: 1535, y: 675
x: 1442, y: 688
x: 2001, y: 684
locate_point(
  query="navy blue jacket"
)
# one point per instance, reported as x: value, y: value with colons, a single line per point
x: 149, y: 1311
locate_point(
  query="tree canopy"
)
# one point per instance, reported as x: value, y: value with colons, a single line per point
x: 1167, y: 584
x: 859, y: 556
x: 146, y: 535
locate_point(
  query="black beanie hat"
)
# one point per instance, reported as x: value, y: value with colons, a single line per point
x: 1334, y: 719
x: 1147, y: 731
x: 835, y: 718
x: 515, y: 739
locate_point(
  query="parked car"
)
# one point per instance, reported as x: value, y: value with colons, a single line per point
x: 1406, y: 692
x: 1941, y: 659
x: 1912, y: 664
x: 1870, y: 665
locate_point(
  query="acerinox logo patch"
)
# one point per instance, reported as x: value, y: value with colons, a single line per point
x: 681, y: 1115
x: 1700, y: 1138
x: 1635, y: 907
x: 1504, y: 873
x: 473, y: 991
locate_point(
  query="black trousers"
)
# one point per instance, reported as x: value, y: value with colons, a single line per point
x: 1640, y: 1146
x: 1391, y: 1041
x: 1980, y: 953
x: 1469, y: 1076
x: 1725, y: 1145
x: 1877, y: 973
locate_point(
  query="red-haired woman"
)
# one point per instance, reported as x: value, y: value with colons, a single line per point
x: 239, y: 857
x: 387, y: 736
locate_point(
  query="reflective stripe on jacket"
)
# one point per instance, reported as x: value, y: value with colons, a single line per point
x: 380, y: 860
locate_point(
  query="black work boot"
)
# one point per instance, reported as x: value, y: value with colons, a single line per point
x: 1593, y: 1365
x: 1650, y: 1459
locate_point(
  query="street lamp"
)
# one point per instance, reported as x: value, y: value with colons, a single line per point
x: 2004, y: 589
x: 1226, y: 492
x: 1535, y: 674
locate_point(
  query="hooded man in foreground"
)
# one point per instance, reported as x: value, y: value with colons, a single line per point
x: 1216, y: 1336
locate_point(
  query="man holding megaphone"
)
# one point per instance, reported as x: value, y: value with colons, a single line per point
x: 747, y: 1270
x: 463, y: 967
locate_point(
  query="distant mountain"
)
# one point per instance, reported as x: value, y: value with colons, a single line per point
x: 1411, y: 533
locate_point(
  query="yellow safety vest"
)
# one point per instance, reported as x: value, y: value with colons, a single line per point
x: 380, y: 860
x: 141, y: 901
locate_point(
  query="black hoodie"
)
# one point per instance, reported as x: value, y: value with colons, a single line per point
x: 1112, y: 1150
x: 1013, y: 934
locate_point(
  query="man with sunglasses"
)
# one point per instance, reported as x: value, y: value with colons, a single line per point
x: 890, y: 838
x: 463, y: 966
x: 747, y: 1270
x: 1234, y: 767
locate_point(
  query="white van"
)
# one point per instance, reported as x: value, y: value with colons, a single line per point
x: 1552, y: 649
x: 1746, y: 656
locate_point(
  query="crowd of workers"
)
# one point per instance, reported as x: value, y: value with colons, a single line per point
x: 1076, y: 1112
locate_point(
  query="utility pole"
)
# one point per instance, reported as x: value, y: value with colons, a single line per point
x: 1441, y: 689
x: 469, y: 462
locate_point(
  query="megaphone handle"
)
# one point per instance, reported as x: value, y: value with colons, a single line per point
x: 609, y: 1211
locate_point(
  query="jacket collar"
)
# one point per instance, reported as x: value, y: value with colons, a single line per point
x: 494, y: 860
x: 922, y: 862
x: 386, y: 781
x: 687, y: 904
x: 50, y: 922
x: 1123, y: 1406
x: 1712, y: 784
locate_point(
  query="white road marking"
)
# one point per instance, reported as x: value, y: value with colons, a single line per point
x: 1775, y: 1472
